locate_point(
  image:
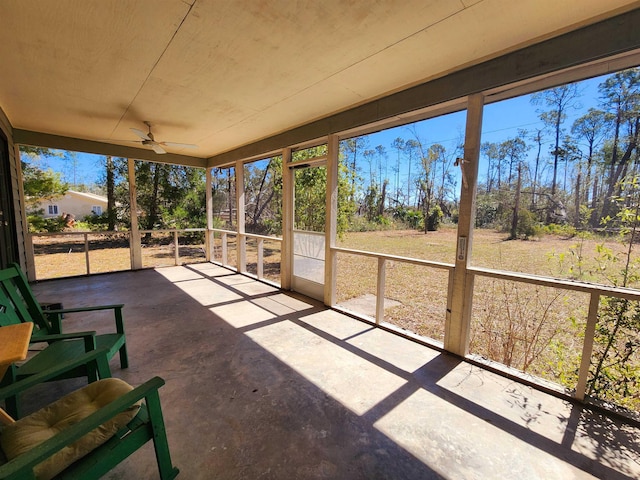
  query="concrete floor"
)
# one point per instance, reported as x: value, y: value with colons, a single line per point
x: 263, y: 384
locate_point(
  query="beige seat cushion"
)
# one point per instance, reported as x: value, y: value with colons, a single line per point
x: 34, y: 429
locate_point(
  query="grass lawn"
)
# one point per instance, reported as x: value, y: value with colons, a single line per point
x: 64, y: 256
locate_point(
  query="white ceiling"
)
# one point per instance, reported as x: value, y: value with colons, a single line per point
x: 222, y: 74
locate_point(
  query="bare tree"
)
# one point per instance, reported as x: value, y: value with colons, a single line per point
x: 591, y: 128
x: 621, y: 95
x: 398, y: 145
x: 559, y: 100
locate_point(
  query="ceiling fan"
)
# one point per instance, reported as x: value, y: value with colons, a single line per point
x: 148, y: 140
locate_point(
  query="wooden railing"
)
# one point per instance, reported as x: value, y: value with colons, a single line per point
x: 381, y: 276
x: 86, y: 243
x: 126, y: 234
x: 594, y: 291
x: 209, y: 244
x: 241, y: 245
x: 175, y: 232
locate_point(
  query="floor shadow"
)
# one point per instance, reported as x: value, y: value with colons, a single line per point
x: 253, y: 415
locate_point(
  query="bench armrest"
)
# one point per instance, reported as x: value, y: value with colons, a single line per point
x: 85, y: 309
x: 88, y: 337
x: 99, y: 357
x: 55, y: 316
x: 61, y: 336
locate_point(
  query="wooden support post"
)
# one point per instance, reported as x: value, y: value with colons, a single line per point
x: 449, y: 297
x: 382, y: 278
x: 30, y: 254
x: 460, y: 296
x: 587, y: 346
x: 21, y: 222
x: 331, y: 221
x: 241, y: 240
x: 224, y: 248
x: 260, y: 266
x: 207, y: 245
x: 286, y: 250
x: 135, y: 249
x: 86, y: 253
x: 208, y: 238
x: 176, y: 248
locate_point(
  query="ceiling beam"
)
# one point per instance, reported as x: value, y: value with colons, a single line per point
x: 613, y: 36
x: 37, y: 139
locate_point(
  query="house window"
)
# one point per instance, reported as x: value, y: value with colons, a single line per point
x: 53, y: 209
x: 96, y: 210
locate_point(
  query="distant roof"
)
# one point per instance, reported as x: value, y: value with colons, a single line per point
x: 90, y: 196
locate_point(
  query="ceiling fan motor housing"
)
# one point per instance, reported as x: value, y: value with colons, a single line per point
x: 148, y: 140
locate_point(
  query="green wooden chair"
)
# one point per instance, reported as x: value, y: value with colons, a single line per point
x: 60, y: 347
x: 125, y: 418
x: 18, y: 304
x: 15, y: 286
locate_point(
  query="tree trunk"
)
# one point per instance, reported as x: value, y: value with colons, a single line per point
x: 409, y: 181
x: 516, y: 207
x: 230, y: 197
x: 353, y: 170
x: 576, y: 223
x: 535, y: 171
x: 153, y: 204
x: 258, y: 211
x: 606, y: 204
x: 587, y: 182
x: 556, y: 154
x: 616, y: 175
x: 595, y: 218
x: 383, y: 196
x: 427, y: 207
x: 111, y: 197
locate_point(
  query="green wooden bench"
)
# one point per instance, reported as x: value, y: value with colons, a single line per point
x: 18, y: 304
x: 147, y: 424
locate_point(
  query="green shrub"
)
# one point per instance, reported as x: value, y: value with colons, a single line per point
x: 361, y: 224
x: 415, y: 219
x: 39, y: 224
x: 435, y: 218
x: 96, y: 222
x: 486, y: 215
x: 557, y: 229
x: 410, y: 217
x: 384, y: 222
x: 527, y: 225
x: 271, y: 226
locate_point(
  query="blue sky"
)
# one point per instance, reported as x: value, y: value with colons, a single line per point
x: 501, y: 121
x: 84, y: 167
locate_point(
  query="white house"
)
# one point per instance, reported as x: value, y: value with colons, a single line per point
x: 78, y: 204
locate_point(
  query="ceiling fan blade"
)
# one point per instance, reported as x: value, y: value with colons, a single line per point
x: 178, y: 145
x: 157, y: 148
x: 116, y: 140
x: 141, y: 134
